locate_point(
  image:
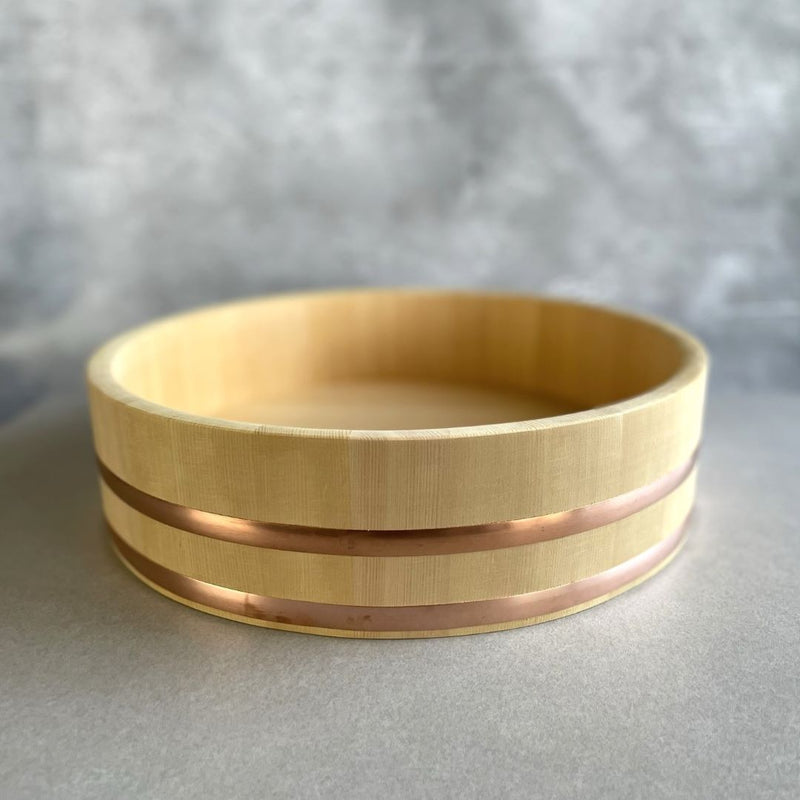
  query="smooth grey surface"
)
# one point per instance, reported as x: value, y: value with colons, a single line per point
x: 158, y: 154
x: 687, y: 686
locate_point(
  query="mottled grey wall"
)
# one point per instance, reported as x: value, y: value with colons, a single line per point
x: 162, y: 153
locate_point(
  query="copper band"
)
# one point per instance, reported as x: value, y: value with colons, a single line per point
x: 434, y: 541
x: 446, y: 616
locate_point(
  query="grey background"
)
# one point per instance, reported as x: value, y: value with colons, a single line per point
x: 159, y: 154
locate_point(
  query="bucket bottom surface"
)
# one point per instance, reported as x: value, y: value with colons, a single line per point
x: 386, y: 405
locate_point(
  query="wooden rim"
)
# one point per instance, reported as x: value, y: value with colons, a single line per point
x: 100, y: 370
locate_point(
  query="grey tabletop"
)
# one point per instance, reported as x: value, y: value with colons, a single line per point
x: 688, y: 686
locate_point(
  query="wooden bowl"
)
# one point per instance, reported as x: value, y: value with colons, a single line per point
x: 396, y: 463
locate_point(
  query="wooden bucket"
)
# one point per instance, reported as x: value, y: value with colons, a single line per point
x: 397, y: 463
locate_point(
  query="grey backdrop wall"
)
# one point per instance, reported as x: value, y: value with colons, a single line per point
x: 161, y: 154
